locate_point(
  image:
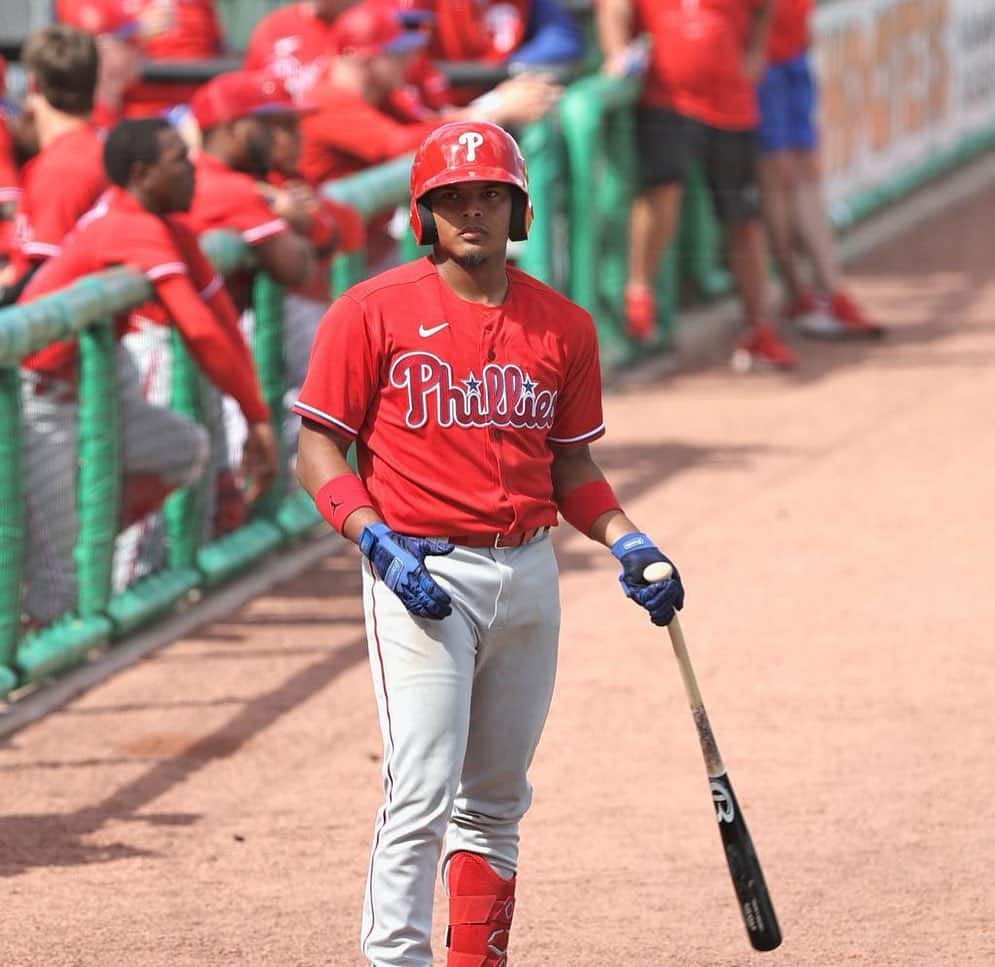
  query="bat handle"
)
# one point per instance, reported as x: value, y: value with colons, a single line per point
x: 657, y: 571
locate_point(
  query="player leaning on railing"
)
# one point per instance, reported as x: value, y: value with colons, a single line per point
x: 66, y: 176
x: 134, y: 225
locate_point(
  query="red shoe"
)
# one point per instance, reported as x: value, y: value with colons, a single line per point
x: 640, y: 312
x: 851, y: 318
x: 803, y: 307
x: 762, y: 348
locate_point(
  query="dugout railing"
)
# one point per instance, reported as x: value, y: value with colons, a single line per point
x: 86, y: 309
x: 580, y: 162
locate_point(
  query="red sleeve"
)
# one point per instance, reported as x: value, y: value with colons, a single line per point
x: 578, y: 406
x: 237, y: 204
x: 343, y: 372
x: 221, y: 353
x: 10, y: 186
x: 349, y: 224
x: 361, y: 131
x: 93, y: 16
x: 257, y: 54
x: 202, y: 274
x: 54, y: 210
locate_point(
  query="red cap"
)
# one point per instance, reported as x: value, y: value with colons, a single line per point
x: 240, y: 94
x: 374, y: 27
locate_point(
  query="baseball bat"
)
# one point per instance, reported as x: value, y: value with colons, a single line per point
x: 744, y: 867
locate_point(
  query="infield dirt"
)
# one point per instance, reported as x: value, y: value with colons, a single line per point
x: 212, y: 805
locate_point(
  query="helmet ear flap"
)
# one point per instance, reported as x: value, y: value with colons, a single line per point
x: 429, y: 233
x: 520, y: 216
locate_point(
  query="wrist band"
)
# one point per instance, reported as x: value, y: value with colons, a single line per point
x: 586, y: 503
x: 337, y: 498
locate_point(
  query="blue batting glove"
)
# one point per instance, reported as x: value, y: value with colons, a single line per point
x: 398, y: 560
x: 661, y: 599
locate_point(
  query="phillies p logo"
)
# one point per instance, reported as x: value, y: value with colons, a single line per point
x: 471, y: 140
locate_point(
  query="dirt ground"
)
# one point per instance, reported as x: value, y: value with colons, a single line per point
x: 213, y: 804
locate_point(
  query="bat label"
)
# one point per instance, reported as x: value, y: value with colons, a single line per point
x: 725, y: 805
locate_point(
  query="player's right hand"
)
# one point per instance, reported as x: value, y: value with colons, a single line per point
x: 398, y: 561
x: 260, y: 459
x: 636, y: 552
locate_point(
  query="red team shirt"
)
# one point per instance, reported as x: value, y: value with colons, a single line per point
x: 120, y: 232
x: 195, y: 34
x: 454, y: 405
x: 292, y: 43
x: 231, y: 199
x: 696, y: 63
x: 789, y: 30
x: 60, y: 184
x: 347, y: 134
x: 10, y: 187
x: 476, y: 29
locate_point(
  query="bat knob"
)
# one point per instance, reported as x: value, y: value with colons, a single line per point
x: 658, y: 571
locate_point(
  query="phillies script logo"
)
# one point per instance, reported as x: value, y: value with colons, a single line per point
x: 503, y: 396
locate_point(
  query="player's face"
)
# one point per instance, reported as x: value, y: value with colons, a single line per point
x: 387, y: 72
x: 254, y: 145
x: 473, y: 219
x: 286, y: 144
x: 172, y: 176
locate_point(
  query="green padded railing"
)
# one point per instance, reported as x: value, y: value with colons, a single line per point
x: 87, y: 308
x: 597, y: 125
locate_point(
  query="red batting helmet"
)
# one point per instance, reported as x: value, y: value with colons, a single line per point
x: 468, y: 151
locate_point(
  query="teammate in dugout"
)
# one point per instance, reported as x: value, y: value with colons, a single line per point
x: 472, y: 392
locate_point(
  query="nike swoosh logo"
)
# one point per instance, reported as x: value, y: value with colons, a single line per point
x: 422, y: 331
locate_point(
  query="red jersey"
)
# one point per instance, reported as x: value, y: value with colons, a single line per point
x: 294, y: 44
x: 120, y: 232
x: 59, y: 184
x: 696, y: 63
x: 347, y: 134
x: 224, y: 198
x: 789, y: 33
x: 194, y: 34
x: 478, y: 29
x: 454, y: 405
x: 10, y: 182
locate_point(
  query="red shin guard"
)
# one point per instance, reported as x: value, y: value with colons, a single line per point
x: 481, y: 905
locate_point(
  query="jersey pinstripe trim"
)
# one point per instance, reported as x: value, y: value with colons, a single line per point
x: 41, y: 248
x: 212, y: 288
x: 590, y: 435
x: 165, y: 269
x: 302, y: 409
x: 266, y: 230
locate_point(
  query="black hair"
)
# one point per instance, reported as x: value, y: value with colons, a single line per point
x: 130, y: 142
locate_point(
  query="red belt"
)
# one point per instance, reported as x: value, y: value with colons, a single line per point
x: 514, y: 539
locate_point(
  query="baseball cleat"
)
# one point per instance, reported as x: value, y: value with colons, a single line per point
x: 762, y: 349
x: 838, y: 317
x: 640, y: 312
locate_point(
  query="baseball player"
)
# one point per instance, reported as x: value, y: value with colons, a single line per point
x: 791, y: 189
x: 472, y: 392
x: 137, y: 223
x: 66, y: 177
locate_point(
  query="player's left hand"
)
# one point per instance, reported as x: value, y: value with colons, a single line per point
x: 661, y: 599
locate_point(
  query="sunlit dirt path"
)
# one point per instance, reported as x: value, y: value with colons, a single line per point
x: 212, y: 805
